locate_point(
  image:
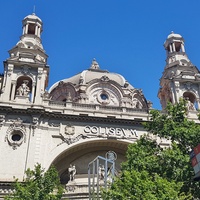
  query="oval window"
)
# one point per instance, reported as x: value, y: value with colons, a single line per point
x: 104, y: 96
x: 16, y: 137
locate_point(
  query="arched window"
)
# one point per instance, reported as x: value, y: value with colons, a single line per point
x: 24, y: 87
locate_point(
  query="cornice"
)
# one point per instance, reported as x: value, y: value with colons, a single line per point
x: 70, y: 117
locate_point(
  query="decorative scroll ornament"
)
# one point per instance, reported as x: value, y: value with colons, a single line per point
x: 25, y: 70
x: 10, y: 69
x: 40, y: 72
x: 71, y: 140
x: 45, y: 95
x: 16, y: 133
x: 2, y: 120
x: 69, y: 137
x: 34, y: 124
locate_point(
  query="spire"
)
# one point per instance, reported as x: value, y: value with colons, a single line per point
x: 34, y: 10
x: 94, y: 64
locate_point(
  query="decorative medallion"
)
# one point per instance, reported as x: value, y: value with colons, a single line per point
x: 16, y: 133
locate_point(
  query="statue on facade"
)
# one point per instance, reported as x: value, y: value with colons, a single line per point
x: 190, y: 105
x: 136, y: 103
x: 101, y: 172
x: 72, y: 172
x: 23, y: 89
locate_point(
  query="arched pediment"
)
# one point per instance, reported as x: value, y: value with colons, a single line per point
x: 139, y: 100
x: 63, y: 91
x: 104, y: 92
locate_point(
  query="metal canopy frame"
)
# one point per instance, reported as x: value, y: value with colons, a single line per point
x: 94, y: 175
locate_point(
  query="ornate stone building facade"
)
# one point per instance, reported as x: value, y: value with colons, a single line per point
x: 78, y: 118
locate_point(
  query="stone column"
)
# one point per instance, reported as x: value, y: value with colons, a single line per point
x: 170, y: 48
x: 39, y: 30
x: 173, y: 92
x: 173, y: 47
x: 7, y: 89
x: 33, y: 92
x: 182, y: 48
x: 39, y: 86
x: 26, y: 29
x: 13, y: 90
x: 36, y: 30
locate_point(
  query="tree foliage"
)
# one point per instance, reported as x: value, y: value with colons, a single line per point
x: 154, y: 172
x: 39, y: 185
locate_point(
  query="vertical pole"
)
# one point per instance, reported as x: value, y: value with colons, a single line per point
x: 89, y: 183
x: 97, y: 178
x: 106, y: 173
x: 93, y: 174
x: 113, y: 171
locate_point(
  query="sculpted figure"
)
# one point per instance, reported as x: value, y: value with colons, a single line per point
x: 72, y: 172
x: 190, y: 105
x: 101, y: 172
x: 23, y: 89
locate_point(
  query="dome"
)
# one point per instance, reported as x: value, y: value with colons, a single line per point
x: 86, y: 76
x: 96, y: 86
x: 33, y: 17
x: 92, y: 74
x: 174, y: 35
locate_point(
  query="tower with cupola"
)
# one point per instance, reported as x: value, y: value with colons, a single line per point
x: 180, y: 79
x: 26, y: 71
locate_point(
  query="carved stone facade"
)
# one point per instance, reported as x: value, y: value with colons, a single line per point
x: 78, y: 118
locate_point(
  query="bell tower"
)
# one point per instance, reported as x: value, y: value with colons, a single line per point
x: 26, y: 71
x: 180, y: 79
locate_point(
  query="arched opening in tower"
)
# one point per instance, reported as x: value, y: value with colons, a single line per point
x: 191, y: 98
x: 31, y: 29
x: 24, y: 87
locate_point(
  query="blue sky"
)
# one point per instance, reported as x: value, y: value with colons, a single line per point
x: 125, y: 36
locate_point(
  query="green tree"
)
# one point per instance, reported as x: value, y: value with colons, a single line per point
x: 185, y: 135
x: 153, y: 172
x: 39, y: 185
x: 142, y: 176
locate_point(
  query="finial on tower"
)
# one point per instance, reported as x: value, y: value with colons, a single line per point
x: 34, y: 10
